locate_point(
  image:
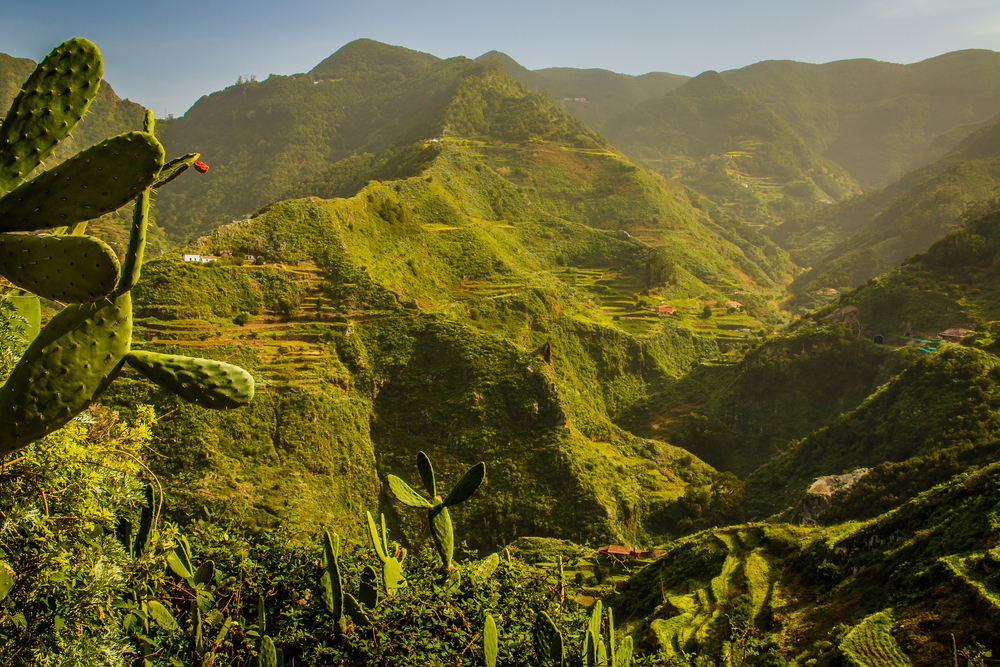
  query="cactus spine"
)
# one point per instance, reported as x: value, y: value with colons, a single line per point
x: 442, y: 530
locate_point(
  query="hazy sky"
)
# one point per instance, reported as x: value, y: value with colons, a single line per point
x: 167, y: 54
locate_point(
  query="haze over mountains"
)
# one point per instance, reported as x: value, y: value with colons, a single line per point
x: 587, y: 279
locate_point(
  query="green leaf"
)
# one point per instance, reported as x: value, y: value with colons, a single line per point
x: 406, y: 495
x: 176, y: 565
x: 205, y: 573
x: 356, y: 611
x: 162, y: 616
x: 467, y: 485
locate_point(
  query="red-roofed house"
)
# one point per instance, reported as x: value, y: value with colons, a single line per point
x: 664, y: 309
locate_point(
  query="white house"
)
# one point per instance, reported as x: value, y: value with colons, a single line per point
x: 191, y: 258
x: 205, y: 259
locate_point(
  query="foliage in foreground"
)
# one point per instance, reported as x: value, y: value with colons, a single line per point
x: 84, y: 588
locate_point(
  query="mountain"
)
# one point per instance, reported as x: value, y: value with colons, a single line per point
x: 879, y: 120
x: 877, y: 231
x: 489, y: 288
x: 593, y: 95
x: 716, y: 139
x: 875, y: 119
x: 426, y: 255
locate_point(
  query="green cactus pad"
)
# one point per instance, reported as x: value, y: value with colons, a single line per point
x: 334, y: 596
x: 93, y: 182
x: 209, y: 383
x: 377, y: 540
x: 145, y: 524
x: 205, y: 574
x: 268, y: 655
x: 467, y: 485
x: 594, y: 626
x: 407, y: 495
x: 548, y: 641
x: 356, y: 611
x: 6, y: 579
x: 624, y: 656
x: 490, y: 641
x: 175, y: 168
x: 69, y: 364
x: 426, y: 473
x: 368, y: 590
x: 50, y: 104
x: 443, y: 533
x: 392, y: 576
x: 69, y: 269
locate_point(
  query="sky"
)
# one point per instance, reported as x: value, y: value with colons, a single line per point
x: 168, y: 54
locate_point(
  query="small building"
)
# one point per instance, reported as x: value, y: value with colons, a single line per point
x: 829, y: 291
x: 191, y: 258
x: 252, y: 258
x: 664, y: 309
x: 734, y: 304
x: 953, y: 335
x: 205, y: 259
x: 620, y: 551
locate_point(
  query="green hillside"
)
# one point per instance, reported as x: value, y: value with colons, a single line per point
x: 870, y: 235
x: 732, y: 148
x: 422, y: 301
x: 879, y: 120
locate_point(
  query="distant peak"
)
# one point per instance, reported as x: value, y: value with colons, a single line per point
x: 368, y: 55
x: 511, y: 66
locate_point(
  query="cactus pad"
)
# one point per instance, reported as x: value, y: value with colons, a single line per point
x: 67, y: 366
x: 50, y: 104
x: 69, y: 269
x: 96, y: 181
x: 466, y: 486
x: 175, y: 168
x: 548, y: 641
x: 443, y: 533
x: 490, y: 643
x: 209, y: 383
x: 406, y: 495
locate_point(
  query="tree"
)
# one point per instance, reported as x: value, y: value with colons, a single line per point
x: 660, y: 268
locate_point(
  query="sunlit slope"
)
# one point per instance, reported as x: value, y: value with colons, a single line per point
x: 415, y: 315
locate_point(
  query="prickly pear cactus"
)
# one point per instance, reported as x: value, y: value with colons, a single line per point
x: 392, y: 569
x: 439, y: 519
x: 83, y: 348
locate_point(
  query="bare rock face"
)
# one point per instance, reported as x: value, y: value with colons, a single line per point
x: 822, y: 495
